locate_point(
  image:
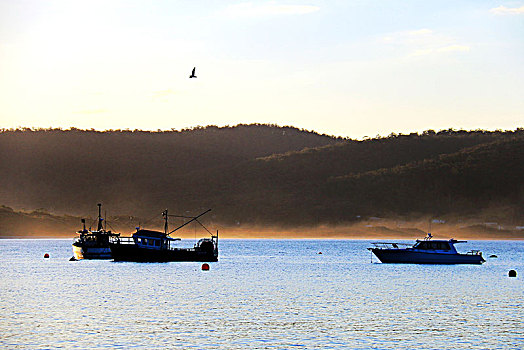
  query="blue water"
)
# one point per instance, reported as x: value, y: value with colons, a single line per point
x: 262, y: 294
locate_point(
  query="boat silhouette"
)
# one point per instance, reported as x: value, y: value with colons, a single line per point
x: 93, y: 244
x: 157, y: 246
x: 425, y: 251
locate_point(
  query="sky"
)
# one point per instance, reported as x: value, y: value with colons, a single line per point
x: 349, y: 68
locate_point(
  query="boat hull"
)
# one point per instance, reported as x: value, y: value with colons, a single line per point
x: 401, y: 256
x: 85, y: 252
x: 133, y: 252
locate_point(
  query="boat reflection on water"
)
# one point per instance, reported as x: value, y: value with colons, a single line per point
x: 157, y: 246
x: 425, y: 251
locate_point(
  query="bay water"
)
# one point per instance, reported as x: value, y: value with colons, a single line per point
x: 261, y: 294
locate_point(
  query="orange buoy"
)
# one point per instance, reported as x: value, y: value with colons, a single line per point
x: 46, y: 256
x: 319, y: 252
x: 205, y: 267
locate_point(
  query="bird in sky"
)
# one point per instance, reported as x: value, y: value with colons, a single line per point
x: 193, y: 73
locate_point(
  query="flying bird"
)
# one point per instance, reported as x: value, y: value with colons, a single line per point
x: 193, y: 73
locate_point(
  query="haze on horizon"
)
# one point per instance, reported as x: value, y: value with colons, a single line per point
x: 344, y: 68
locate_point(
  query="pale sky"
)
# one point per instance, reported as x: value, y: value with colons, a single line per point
x: 350, y: 68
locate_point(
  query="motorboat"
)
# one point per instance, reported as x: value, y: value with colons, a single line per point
x: 426, y: 251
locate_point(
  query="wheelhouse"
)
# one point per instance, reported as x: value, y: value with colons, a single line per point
x: 153, y: 239
x: 434, y: 245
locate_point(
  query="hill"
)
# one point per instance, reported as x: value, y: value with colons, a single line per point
x: 267, y: 176
x: 67, y: 171
x: 410, y: 175
x: 466, y: 183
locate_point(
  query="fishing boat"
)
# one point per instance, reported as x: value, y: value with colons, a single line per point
x: 426, y: 251
x: 93, y: 244
x: 157, y: 246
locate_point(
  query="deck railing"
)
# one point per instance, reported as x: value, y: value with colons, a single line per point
x: 125, y: 240
x: 131, y: 241
x: 388, y: 245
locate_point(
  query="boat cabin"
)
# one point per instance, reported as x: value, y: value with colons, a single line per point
x: 441, y: 245
x: 153, y: 239
x: 432, y: 245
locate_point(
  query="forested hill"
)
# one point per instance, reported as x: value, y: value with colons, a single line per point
x: 266, y: 175
x: 483, y: 177
x: 434, y: 174
x: 70, y: 170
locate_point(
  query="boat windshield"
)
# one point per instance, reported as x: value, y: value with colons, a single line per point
x: 432, y: 245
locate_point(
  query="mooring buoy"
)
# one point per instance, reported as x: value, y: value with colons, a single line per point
x: 46, y: 256
x: 512, y: 273
x: 205, y: 267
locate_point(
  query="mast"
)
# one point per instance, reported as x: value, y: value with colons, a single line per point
x: 99, y: 228
x: 164, y: 214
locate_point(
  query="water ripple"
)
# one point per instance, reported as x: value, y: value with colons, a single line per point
x: 261, y: 294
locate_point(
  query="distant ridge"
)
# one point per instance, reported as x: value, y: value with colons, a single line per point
x: 267, y: 175
x: 69, y: 170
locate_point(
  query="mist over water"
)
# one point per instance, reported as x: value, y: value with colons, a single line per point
x: 265, y: 294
